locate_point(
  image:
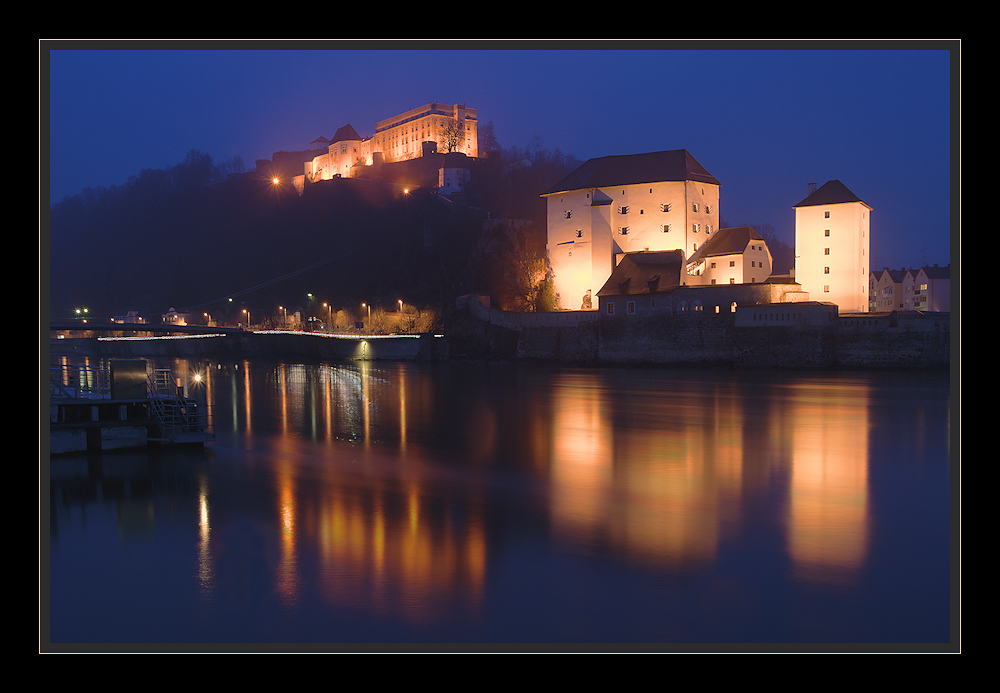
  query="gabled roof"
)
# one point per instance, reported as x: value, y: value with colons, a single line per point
x: 345, y: 133
x: 831, y: 193
x: 936, y: 272
x: 645, y: 272
x: 632, y: 169
x: 731, y: 241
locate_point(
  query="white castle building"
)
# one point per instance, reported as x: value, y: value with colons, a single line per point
x: 447, y: 128
x: 614, y: 206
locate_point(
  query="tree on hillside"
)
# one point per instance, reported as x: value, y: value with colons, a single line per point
x: 452, y: 136
x: 488, y: 139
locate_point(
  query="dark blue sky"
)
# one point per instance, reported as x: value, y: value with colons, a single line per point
x: 766, y: 121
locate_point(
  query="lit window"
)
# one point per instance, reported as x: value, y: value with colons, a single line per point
x: 630, y: 307
x: 694, y: 227
x: 826, y: 270
x: 611, y: 308
x: 826, y: 251
x: 826, y: 288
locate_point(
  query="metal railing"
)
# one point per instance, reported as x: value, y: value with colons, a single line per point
x: 79, y: 382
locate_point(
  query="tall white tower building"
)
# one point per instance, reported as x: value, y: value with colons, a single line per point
x: 833, y: 247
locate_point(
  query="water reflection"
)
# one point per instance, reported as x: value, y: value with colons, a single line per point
x: 402, y: 491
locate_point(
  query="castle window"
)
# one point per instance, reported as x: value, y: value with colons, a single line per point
x: 732, y: 263
x: 713, y: 265
x: 630, y: 307
x: 694, y: 207
x: 611, y: 308
x: 694, y: 227
x: 623, y: 209
x: 826, y: 251
x: 579, y: 233
x: 826, y: 215
x: 708, y: 209
x: 826, y: 288
x: 826, y: 232
x: 732, y: 280
x: 826, y: 270
x: 665, y: 228
x: 623, y: 230
x: 665, y: 208
x: 568, y: 214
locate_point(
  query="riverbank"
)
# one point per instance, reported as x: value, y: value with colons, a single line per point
x: 891, y: 340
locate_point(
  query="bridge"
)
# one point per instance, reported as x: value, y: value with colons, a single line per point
x: 90, y: 326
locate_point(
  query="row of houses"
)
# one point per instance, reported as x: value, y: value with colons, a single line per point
x: 924, y: 288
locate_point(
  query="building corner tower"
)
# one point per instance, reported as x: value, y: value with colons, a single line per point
x: 833, y: 247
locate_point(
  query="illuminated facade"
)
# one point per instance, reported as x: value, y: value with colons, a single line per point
x: 447, y: 128
x: 622, y: 204
x: 832, y: 247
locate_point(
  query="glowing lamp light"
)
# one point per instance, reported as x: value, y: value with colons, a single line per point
x: 275, y: 181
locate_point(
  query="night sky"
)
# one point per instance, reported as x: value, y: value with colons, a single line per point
x: 765, y: 119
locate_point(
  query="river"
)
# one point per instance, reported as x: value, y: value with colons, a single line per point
x: 456, y: 506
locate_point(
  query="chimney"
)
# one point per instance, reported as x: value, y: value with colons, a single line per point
x: 811, y: 188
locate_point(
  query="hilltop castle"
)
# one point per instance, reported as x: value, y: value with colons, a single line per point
x: 450, y: 131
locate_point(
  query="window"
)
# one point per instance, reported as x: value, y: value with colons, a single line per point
x: 732, y: 280
x: 665, y: 208
x: 665, y: 228
x: 694, y: 227
x: 826, y: 215
x: 826, y: 251
x: 611, y: 308
x: 732, y: 263
x: 826, y: 232
x: 713, y: 265
x: 630, y: 307
x: 826, y: 270
x: 568, y: 214
x: 826, y: 288
x: 694, y: 207
x: 579, y: 233
x: 708, y: 209
x: 708, y: 228
x: 623, y: 209
x: 623, y: 230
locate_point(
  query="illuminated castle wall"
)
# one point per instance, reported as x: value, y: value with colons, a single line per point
x: 666, y: 201
x: 403, y: 137
x: 623, y: 204
x: 833, y: 246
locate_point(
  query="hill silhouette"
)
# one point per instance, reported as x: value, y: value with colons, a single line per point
x: 189, y: 238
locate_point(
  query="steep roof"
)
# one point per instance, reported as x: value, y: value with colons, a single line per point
x: 731, y: 241
x: 631, y: 169
x: 936, y: 272
x: 345, y: 133
x: 830, y: 193
x: 645, y: 272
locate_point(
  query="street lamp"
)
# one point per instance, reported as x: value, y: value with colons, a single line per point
x: 248, y: 317
x: 365, y: 305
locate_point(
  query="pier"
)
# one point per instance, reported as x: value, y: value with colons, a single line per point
x: 124, y: 405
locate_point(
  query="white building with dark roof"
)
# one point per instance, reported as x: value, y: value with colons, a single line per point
x: 832, y: 247
x: 614, y: 205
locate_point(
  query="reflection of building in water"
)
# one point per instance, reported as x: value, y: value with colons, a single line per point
x: 828, y: 502
x: 663, y: 494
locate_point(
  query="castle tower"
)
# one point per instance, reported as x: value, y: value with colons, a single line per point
x: 832, y: 247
